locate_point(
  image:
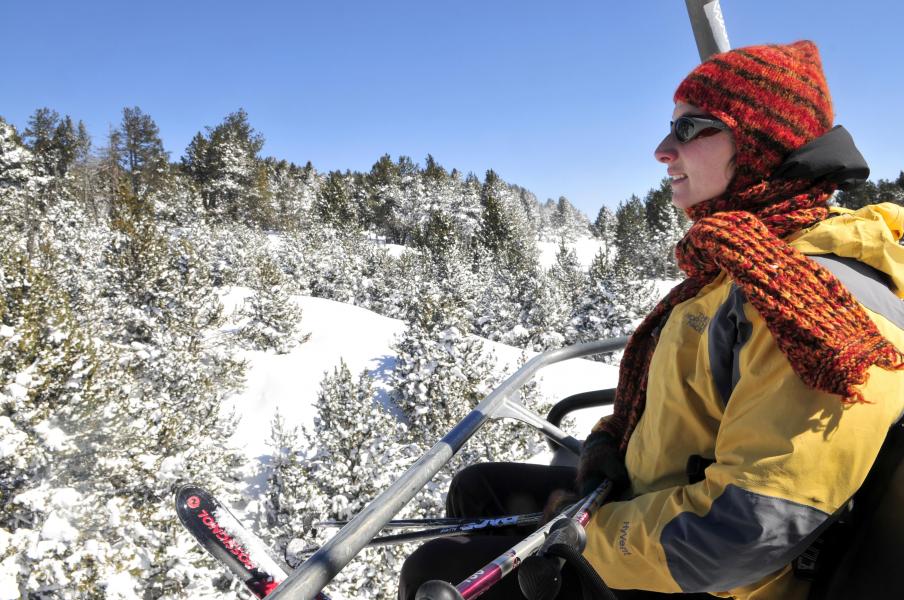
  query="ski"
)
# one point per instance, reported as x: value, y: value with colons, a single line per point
x: 222, y: 535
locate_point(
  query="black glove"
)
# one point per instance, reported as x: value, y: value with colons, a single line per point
x: 600, y: 459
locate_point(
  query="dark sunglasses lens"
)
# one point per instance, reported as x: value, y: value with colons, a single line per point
x: 684, y: 129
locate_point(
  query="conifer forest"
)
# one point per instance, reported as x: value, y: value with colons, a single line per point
x: 117, y: 354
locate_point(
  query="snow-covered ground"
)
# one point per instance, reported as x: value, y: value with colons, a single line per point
x: 289, y: 383
x: 585, y: 248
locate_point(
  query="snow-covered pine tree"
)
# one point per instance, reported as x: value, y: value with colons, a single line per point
x: 47, y: 366
x: 334, y: 263
x: 226, y: 168
x: 271, y: 320
x: 631, y: 233
x: 520, y: 308
x: 335, y: 203
x: 353, y: 453
x: 441, y: 372
x: 19, y: 185
x: 616, y: 297
x: 604, y: 228
x: 283, y: 516
x: 292, y: 192
x: 164, y: 421
x: 569, y: 279
x: 665, y: 226
x: 504, y: 232
x: 565, y: 221
x: 140, y: 151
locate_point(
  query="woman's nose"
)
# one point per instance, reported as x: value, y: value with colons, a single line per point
x: 665, y: 152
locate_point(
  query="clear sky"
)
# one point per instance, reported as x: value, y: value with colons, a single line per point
x: 563, y: 98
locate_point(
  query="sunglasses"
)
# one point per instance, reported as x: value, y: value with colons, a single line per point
x: 687, y: 128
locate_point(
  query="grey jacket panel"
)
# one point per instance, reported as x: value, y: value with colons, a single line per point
x: 744, y: 537
x: 729, y: 330
x: 869, y: 286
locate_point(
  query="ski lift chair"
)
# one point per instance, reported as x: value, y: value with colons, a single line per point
x: 863, y: 551
x: 562, y: 457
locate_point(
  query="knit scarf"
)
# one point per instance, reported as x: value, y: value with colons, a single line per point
x: 818, y: 325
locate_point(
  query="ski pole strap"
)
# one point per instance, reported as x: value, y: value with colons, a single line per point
x: 493, y: 572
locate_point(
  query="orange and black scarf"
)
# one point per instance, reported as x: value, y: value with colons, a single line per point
x: 822, y: 330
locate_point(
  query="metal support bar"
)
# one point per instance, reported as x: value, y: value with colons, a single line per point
x: 308, y: 579
x: 709, y: 27
x: 513, y: 409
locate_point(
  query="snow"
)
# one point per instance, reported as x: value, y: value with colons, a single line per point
x: 585, y: 248
x: 9, y: 570
x: 253, y: 546
x: 57, y: 528
x: 121, y: 586
x: 53, y: 437
x: 10, y: 438
x: 289, y: 383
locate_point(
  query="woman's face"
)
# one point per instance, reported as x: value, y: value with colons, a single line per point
x: 701, y: 168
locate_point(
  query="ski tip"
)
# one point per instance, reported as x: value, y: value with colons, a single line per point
x: 189, y: 498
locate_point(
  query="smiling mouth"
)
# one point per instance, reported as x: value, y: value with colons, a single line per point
x: 677, y: 178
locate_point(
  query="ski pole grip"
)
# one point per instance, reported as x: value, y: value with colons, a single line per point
x: 540, y: 575
x: 437, y: 590
x: 566, y: 531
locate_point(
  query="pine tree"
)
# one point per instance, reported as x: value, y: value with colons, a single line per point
x: 441, y: 373
x: 226, y: 168
x: 39, y: 138
x: 383, y: 189
x: 18, y: 187
x: 568, y: 279
x: 604, y: 229
x: 164, y: 422
x: 566, y: 221
x: 141, y: 152
x: 630, y: 233
x: 334, y: 203
x: 616, y: 298
x: 858, y: 197
x: 272, y: 321
x: 353, y: 455
x: 664, y: 230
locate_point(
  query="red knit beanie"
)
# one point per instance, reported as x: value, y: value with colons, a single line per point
x: 774, y: 98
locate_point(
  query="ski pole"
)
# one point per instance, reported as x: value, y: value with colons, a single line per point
x: 475, y: 522
x: 485, y: 578
x: 465, y: 527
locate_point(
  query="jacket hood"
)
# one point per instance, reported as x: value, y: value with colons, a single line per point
x: 869, y: 235
x: 832, y: 157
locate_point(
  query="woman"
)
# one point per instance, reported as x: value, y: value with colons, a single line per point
x: 755, y: 397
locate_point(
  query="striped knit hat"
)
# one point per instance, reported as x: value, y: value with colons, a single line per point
x: 774, y: 98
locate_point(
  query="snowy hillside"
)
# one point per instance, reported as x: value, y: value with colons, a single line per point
x: 289, y: 383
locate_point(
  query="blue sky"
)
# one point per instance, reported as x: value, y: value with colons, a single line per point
x: 563, y: 98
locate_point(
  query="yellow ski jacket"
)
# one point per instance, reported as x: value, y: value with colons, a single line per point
x: 787, y: 457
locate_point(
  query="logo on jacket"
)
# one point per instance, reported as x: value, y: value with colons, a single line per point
x: 623, y: 538
x: 697, y: 322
